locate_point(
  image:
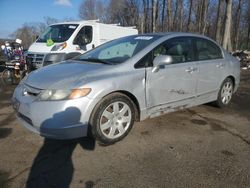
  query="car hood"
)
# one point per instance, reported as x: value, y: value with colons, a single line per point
x: 65, y: 75
x: 40, y: 47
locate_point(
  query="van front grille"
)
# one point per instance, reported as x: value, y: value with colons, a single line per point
x: 36, y: 59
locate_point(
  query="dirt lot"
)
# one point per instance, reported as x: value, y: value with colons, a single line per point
x: 199, y: 147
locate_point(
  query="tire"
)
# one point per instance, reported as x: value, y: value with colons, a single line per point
x: 7, y: 77
x: 112, y: 118
x: 23, y: 74
x: 225, y: 93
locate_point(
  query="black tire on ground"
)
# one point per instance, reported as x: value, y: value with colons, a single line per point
x: 97, y: 118
x: 7, y: 76
x: 220, y: 102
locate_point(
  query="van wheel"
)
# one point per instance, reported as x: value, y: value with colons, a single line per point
x: 112, y: 118
x: 225, y: 94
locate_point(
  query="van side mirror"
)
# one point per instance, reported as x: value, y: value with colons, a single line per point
x: 161, y: 60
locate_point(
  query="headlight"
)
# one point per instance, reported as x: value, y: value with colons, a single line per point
x: 47, y: 95
x: 59, y: 47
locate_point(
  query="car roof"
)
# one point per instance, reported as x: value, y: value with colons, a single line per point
x: 177, y: 34
x: 174, y: 34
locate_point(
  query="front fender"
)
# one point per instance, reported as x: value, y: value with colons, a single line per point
x: 133, y: 83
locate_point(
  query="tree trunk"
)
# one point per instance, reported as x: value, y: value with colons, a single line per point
x: 248, y: 36
x: 227, y: 30
x: 145, y: 15
x: 237, y: 26
x: 199, y: 15
x: 175, y: 24
x: 163, y: 15
x: 169, y: 15
x: 181, y: 14
x: 218, y: 23
x: 154, y: 9
x: 189, y: 16
x: 204, y: 16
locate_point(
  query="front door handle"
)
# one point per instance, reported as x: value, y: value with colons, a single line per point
x: 220, y: 65
x: 191, y: 69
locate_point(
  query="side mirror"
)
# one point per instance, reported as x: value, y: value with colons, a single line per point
x: 82, y: 42
x: 161, y: 60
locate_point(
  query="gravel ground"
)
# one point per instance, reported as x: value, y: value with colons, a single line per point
x: 199, y: 147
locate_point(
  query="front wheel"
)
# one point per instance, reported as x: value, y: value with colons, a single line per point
x: 225, y: 94
x: 112, y: 118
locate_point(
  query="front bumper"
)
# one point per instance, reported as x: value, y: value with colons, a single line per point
x: 65, y: 119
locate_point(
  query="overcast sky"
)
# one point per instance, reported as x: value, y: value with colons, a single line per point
x: 14, y: 13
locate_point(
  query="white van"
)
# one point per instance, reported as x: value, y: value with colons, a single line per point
x: 66, y: 40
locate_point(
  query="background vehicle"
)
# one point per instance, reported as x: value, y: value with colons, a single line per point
x: 126, y: 80
x: 66, y: 40
x: 15, y: 66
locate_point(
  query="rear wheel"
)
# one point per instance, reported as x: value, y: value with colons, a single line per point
x: 112, y: 118
x: 225, y: 94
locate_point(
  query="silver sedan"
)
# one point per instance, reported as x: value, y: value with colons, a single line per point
x: 105, y: 90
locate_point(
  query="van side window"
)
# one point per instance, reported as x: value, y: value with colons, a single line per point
x: 180, y: 49
x: 207, y: 50
x: 84, y: 36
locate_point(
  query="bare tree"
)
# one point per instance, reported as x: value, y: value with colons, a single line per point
x: 26, y: 33
x: 87, y: 10
x: 204, y: 16
x: 145, y: 5
x: 91, y: 10
x: 248, y: 36
x: 237, y: 25
x: 154, y: 12
x: 198, y: 15
x: 180, y: 14
x: 169, y: 15
x: 116, y: 11
x: 189, y: 16
x: 227, y: 30
x: 248, y: 25
x: 218, y: 23
x: 163, y: 14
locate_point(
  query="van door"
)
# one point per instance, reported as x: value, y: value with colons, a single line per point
x: 84, y: 39
x: 174, y: 85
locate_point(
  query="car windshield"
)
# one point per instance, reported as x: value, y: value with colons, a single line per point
x: 58, y: 33
x: 119, y: 50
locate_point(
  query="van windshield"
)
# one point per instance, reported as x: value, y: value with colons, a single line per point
x: 58, y: 33
x: 119, y: 50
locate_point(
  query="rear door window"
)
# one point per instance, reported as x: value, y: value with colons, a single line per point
x: 207, y: 50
